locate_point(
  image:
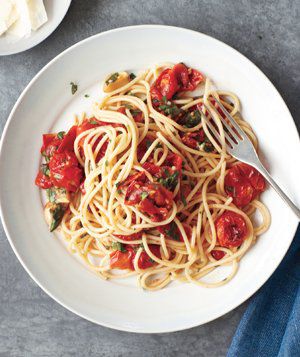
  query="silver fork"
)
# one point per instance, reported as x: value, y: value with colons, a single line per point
x: 239, y: 146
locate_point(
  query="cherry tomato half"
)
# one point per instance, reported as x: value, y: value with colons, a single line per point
x: 231, y: 229
x: 43, y: 181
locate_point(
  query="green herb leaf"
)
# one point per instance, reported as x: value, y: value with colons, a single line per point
x: 94, y: 122
x: 47, y: 158
x: 51, y: 194
x: 119, y: 191
x: 192, y: 119
x: 183, y: 200
x: 112, y: 78
x: 128, y: 106
x: 135, y: 112
x: 86, y: 95
x: 61, y: 134
x: 170, y: 182
x: 164, y: 99
x: 74, y: 88
x: 57, y: 216
x: 144, y: 195
x: 45, y: 169
x: 118, y: 246
x: 169, y: 109
x: 173, y: 231
x: 132, y: 76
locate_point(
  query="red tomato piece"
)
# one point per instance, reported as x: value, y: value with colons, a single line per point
x: 151, y: 199
x: 122, y: 110
x: 43, y: 181
x: 188, y: 78
x: 145, y: 261
x: 231, y: 229
x: 166, y: 85
x: 122, y: 260
x: 217, y: 254
x: 244, y: 184
x: 134, y: 236
x: 63, y: 160
x: 50, y: 144
x: 138, y: 177
x: 193, y: 139
x: 67, y: 143
x: 174, y: 160
x: 64, y: 171
x: 87, y: 124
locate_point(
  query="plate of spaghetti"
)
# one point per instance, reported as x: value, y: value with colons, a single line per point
x: 129, y: 211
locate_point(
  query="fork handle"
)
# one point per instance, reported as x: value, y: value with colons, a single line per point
x: 259, y: 166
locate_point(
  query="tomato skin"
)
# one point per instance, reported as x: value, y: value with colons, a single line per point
x: 231, y: 229
x: 145, y: 261
x: 174, y: 160
x: 166, y: 85
x: 67, y: 143
x: 156, y: 204
x: 43, y: 181
x: 122, y: 260
x: 138, y: 177
x: 188, y: 78
x: 62, y: 160
x: 64, y: 171
x: 134, y: 236
x: 50, y: 144
x: 218, y: 254
x: 244, y: 184
x: 193, y: 139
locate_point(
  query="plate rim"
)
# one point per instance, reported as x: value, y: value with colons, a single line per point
x: 184, y: 325
x: 40, y: 40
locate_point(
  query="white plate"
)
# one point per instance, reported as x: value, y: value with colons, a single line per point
x: 56, y: 11
x: 47, y: 102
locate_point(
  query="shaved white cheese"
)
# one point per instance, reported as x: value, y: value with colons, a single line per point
x: 37, y: 13
x: 8, y: 15
x: 22, y: 27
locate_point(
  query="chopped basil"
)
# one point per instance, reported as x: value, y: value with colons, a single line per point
x: 51, y: 194
x: 192, y: 119
x: 57, y: 176
x: 148, y: 143
x: 183, y: 200
x: 86, y: 95
x: 169, y: 108
x: 117, y: 184
x: 112, y: 78
x: 94, y: 122
x: 151, y: 260
x: 45, y: 169
x: 170, y: 182
x: 208, y: 146
x: 144, y: 195
x: 57, y: 215
x: 128, y: 106
x: 132, y: 76
x: 173, y: 231
x: 74, y: 88
x: 118, y: 246
x: 135, y: 112
x: 119, y: 191
x: 61, y: 134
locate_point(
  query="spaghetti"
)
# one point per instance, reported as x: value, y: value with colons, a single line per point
x: 143, y: 187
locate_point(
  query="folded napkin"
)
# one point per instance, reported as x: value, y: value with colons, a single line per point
x: 271, y: 324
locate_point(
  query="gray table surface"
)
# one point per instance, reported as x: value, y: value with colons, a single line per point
x: 268, y: 33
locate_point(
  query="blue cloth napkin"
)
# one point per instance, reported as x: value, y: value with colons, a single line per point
x: 271, y: 324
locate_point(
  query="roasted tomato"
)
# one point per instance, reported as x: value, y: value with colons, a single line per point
x: 67, y: 142
x: 188, y: 78
x: 87, y: 124
x: 166, y: 85
x: 43, y: 180
x: 122, y: 259
x: 51, y: 143
x: 145, y: 261
x: 64, y: 171
x: 231, y: 229
x: 138, y: 177
x: 171, y: 231
x: 243, y: 183
x: 151, y: 199
x: 174, y: 161
x: 194, y: 139
x: 217, y: 254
